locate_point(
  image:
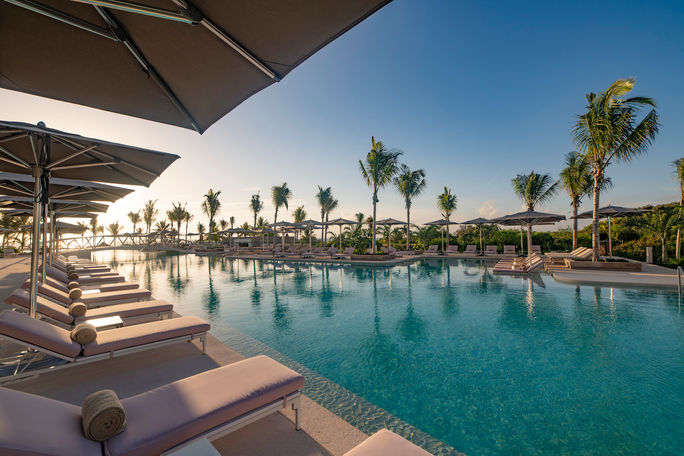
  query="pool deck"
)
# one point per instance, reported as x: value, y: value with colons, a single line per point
x: 323, y: 433
x: 650, y: 276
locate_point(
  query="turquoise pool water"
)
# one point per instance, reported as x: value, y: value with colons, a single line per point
x: 487, y: 364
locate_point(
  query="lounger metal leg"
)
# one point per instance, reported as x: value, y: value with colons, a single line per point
x: 204, y: 344
x: 296, y: 405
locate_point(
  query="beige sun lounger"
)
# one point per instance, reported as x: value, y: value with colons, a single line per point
x: 509, y: 250
x: 491, y: 250
x: 44, y: 337
x: 85, y: 268
x: 580, y: 253
x: 519, y: 265
x: 536, y: 249
x: 159, y: 421
x: 471, y: 249
x: 59, y: 313
x: 452, y: 250
x: 92, y: 298
x: 102, y: 288
x: 432, y: 249
x: 83, y: 279
x: 386, y: 443
x: 347, y: 253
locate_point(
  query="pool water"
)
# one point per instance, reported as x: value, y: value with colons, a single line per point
x: 487, y: 364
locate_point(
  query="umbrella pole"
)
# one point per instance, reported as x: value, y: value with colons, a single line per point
x: 45, y: 223
x: 53, y: 230
x: 522, y: 249
x: 481, y: 240
x: 610, y: 238
x: 340, y: 237
x: 35, y: 242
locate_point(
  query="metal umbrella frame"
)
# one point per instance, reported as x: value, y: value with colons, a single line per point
x: 45, y: 153
x: 528, y: 218
x: 389, y: 222
x: 183, y: 62
x: 610, y: 212
x: 478, y: 222
x: 339, y: 222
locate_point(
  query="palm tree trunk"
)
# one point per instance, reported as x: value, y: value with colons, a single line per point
x: 574, y: 225
x: 529, y: 239
x: 408, y: 228
x: 664, y: 249
x: 373, y: 246
x: 254, y: 225
x: 322, y: 226
x: 595, y: 239
x: 275, y: 220
x: 447, y: 233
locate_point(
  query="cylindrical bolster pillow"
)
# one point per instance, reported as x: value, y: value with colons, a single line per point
x: 83, y: 333
x: 77, y: 309
x: 75, y: 293
x: 102, y: 416
x: 73, y: 284
x: 72, y: 276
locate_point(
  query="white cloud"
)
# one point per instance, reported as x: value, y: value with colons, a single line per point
x: 487, y: 210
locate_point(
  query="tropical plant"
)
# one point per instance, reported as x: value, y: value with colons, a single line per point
x: 661, y: 223
x: 256, y: 205
x: 534, y: 189
x: 231, y: 220
x: 323, y: 197
x: 446, y: 203
x: 679, y: 171
x: 299, y: 215
x: 380, y: 167
x: 149, y: 214
x: 211, y: 206
x: 94, y: 228
x: 114, y: 229
x: 200, y: 230
x: 409, y: 184
x: 187, y: 217
x: 162, y: 225
x: 177, y: 215
x: 330, y: 205
x: 610, y: 131
x: 576, y: 180
x: 135, y: 218
x: 223, y: 224
x: 280, y: 196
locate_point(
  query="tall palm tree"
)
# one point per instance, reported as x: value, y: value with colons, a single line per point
x: 223, y: 224
x: 187, y: 217
x: 410, y: 184
x: 679, y: 170
x: 256, y: 205
x: 380, y: 167
x: 330, y: 205
x: 280, y: 196
x: 211, y: 206
x: 447, y: 202
x: 135, y: 218
x: 231, y: 220
x: 177, y: 215
x: 534, y: 189
x: 299, y: 215
x: 610, y: 131
x: 323, y: 197
x: 200, y: 230
x: 94, y: 228
x: 149, y: 214
x: 114, y: 229
x: 576, y: 180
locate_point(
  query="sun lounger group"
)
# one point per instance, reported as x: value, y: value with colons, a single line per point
x: 519, y: 265
x: 580, y: 253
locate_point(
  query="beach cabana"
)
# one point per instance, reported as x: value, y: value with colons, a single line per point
x: 339, y: 222
x: 529, y: 219
x: 478, y: 222
x: 175, y: 62
x: 610, y: 212
x: 46, y: 153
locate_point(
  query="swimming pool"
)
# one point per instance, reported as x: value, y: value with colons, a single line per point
x: 487, y: 364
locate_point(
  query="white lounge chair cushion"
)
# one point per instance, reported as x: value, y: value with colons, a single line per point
x: 39, y: 333
x: 37, y: 426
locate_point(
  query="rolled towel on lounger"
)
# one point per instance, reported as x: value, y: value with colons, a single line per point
x: 72, y: 285
x: 77, y: 309
x: 102, y: 416
x: 83, y: 333
x: 75, y: 293
x: 72, y: 276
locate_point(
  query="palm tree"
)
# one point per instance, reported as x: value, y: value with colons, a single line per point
x: 200, y: 230
x: 256, y: 205
x: 162, y: 225
x: 446, y: 203
x: 211, y: 206
x: 135, y: 218
x: 576, y: 180
x: 661, y: 223
x: 94, y: 228
x: 330, y: 205
x: 679, y: 170
x: 609, y: 131
x: 380, y: 167
x: 534, y: 189
x: 323, y: 197
x: 280, y: 195
x: 223, y: 224
x: 177, y: 215
x: 231, y: 220
x: 410, y: 184
x: 114, y: 229
x: 187, y: 217
x: 149, y: 214
x: 299, y: 215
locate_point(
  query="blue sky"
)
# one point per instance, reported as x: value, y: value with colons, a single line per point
x: 472, y: 92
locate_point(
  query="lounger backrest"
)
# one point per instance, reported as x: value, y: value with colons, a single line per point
x: 509, y: 249
x: 57, y: 274
x: 491, y: 249
x: 536, y: 248
x: 432, y: 248
x: 470, y: 248
x: 21, y: 298
x: 38, y: 333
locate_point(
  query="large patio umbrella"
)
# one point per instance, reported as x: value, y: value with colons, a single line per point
x: 184, y: 63
x: 309, y: 225
x: 45, y: 153
x: 339, y: 222
x: 529, y: 219
x: 283, y: 225
x: 440, y: 223
x: 610, y: 212
x: 479, y: 222
x: 389, y: 222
